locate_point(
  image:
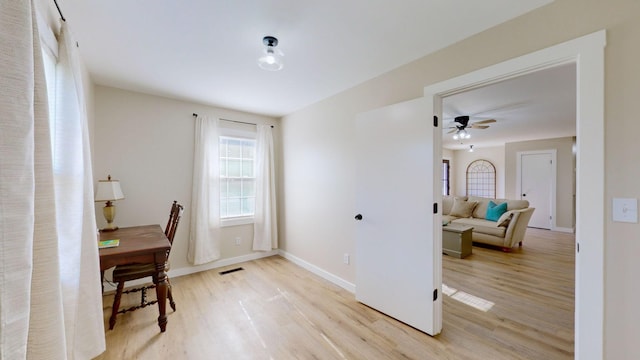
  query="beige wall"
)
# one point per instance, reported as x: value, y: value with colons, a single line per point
x: 462, y: 159
x: 565, y: 174
x: 319, y: 153
x: 146, y: 142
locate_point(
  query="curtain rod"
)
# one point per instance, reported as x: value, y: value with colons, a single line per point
x: 235, y: 121
x: 59, y: 11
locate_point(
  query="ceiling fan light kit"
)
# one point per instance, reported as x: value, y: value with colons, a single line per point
x: 271, y: 60
x: 461, y: 123
x: 461, y: 134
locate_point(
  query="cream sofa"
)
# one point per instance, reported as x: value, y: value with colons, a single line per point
x: 505, y: 233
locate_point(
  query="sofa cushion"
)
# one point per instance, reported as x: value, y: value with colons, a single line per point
x: 462, y: 208
x: 483, y: 226
x: 447, y: 203
x: 505, y: 218
x: 494, y: 211
x: 517, y: 204
x: 480, y: 210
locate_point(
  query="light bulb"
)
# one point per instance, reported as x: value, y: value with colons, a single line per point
x: 269, y: 59
x: 455, y: 136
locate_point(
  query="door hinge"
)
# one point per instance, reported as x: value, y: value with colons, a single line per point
x: 578, y: 247
x: 435, y: 294
x: 435, y: 121
x: 435, y: 208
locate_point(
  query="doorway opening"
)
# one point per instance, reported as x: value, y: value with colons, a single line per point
x: 587, y: 53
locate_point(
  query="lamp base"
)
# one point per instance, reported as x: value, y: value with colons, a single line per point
x: 109, y: 212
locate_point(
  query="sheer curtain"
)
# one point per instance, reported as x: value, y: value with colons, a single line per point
x: 45, y: 311
x: 204, y: 241
x: 265, y: 228
x: 75, y: 211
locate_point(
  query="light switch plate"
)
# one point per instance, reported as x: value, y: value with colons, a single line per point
x: 625, y: 210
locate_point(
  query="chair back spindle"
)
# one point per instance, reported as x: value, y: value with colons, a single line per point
x: 174, y: 219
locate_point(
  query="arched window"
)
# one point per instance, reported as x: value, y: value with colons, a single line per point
x: 481, y: 179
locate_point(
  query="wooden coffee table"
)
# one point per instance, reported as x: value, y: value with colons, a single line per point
x: 456, y: 240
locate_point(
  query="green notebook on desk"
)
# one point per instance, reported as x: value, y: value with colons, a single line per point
x: 108, y: 243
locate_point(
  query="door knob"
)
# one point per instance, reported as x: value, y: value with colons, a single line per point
x: 358, y: 217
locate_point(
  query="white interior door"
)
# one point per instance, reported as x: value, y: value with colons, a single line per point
x: 536, y: 186
x: 399, y: 249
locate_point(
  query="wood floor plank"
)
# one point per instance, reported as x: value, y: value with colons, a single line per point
x: 274, y: 309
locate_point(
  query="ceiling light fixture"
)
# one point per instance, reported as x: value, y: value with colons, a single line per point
x: 461, y: 134
x: 271, y: 60
x: 470, y: 148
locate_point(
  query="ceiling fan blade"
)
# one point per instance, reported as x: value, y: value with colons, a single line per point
x: 452, y: 131
x: 488, y: 121
x: 474, y: 126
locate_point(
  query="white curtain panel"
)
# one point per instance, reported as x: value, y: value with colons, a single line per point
x: 265, y: 228
x: 204, y: 239
x: 33, y: 289
x: 75, y: 211
x: 21, y: 97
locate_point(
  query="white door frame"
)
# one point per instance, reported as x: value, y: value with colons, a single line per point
x: 587, y: 52
x: 552, y: 203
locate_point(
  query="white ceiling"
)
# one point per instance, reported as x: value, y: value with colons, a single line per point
x: 206, y: 50
x: 536, y: 106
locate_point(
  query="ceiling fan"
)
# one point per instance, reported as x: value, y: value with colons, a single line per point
x: 461, y: 123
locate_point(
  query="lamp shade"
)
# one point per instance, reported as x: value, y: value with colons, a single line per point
x: 109, y: 190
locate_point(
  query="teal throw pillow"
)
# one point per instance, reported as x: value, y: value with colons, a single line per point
x: 495, y: 211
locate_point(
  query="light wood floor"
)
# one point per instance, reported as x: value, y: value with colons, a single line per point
x: 274, y: 309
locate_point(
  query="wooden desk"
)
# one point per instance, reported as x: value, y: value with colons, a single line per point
x: 140, y: 244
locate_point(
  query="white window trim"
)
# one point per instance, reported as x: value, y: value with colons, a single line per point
x: 236, y: 221
x: 242, y: 134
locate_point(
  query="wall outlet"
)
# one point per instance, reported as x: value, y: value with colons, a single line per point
x: 345, y: 259
x: 238, y: 241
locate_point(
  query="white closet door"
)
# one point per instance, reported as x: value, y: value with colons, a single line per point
x: 536, y: 186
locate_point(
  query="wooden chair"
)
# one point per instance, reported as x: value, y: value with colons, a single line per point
x: 123, y: 273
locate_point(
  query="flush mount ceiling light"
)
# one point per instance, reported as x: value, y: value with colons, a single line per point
x: 271, y: 60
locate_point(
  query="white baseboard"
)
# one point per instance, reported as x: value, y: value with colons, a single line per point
x: 320, y: 272
x: 174, y: 273
x: 564, y: 229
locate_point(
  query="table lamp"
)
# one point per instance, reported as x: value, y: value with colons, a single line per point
x: 109, y: 190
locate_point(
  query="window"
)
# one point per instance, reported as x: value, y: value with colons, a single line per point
x: 445, y: 178
x: 237, y: 177
x: 481, y: 179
